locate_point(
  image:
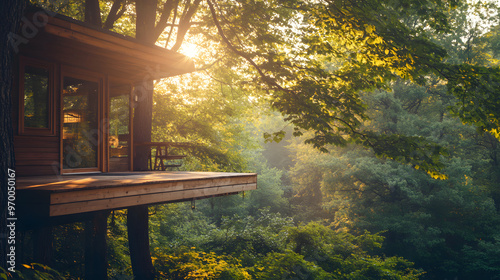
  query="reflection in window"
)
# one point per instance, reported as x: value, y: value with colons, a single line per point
x: 118, y: 124
x: 80, y: 123
x: 119, y: 129
x: 72, y: 117
x: 36, y: 97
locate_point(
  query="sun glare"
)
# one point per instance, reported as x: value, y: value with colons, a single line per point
x: 189, y: 50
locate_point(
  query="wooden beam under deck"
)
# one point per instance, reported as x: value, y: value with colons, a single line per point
x: 51, y: 196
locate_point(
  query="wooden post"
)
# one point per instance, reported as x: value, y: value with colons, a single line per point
x: 138, y: 239
x: 42, y: 245
x: 96, y: 263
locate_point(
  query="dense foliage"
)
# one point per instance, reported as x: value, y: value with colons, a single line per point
x: 404, y: 96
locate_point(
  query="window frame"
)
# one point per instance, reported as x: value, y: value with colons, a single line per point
x: 50, y: 67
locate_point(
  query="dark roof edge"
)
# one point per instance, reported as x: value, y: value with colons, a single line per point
x: 34, y: 9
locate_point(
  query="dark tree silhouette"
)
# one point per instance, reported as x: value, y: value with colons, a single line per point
x: 10, y: 15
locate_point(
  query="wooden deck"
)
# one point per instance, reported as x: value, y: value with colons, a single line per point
x: 51, y: 196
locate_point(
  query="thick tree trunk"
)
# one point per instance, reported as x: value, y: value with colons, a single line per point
x: 138, y: 240
x: 146, y: 21
x: 147, y: 32
x: 143, y: 119
x: 143, y: 114
x: 93, y: 13
x: 137, y: 219
x: 10, y: 15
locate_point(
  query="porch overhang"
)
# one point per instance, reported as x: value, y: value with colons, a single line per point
x: 76, y: 43
x: 52, y: 196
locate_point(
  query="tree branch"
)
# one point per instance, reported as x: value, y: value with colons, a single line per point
x: 115, y: 13
x: 165, y: 15
x: 185, y: 24
x: 266, y: 79
x: 208, y: 66
x: 172, y: 26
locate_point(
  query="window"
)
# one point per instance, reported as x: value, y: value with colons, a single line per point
x: 119, y: 127
x: 36, y: 114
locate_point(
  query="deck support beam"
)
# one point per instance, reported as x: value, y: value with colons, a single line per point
x: 96, y: 263
x: 138, y: 239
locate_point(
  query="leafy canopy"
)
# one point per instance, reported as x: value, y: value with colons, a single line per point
x: 312, y: 59
x: 315, y: 57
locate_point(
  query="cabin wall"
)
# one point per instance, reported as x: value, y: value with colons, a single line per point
x: 38, y: 154
x: 64, y: 48
x: 41, y: 154
x: 35, y: 154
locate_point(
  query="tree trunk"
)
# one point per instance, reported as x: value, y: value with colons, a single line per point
x: 138, y: 240
x: 93, y: 13
x: 10, y: 15
x: 143, y: 119
x: 137, y: 219
x: 145, y: 21
x: 143, y: 113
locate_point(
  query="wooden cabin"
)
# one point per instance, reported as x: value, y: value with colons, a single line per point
x: 74, y: 100
x: 75, y: 97
x: 77, y: 87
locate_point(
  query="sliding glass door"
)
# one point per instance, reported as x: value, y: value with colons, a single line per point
x: 80, y: 106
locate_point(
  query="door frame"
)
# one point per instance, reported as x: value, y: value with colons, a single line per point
x: 102, y: 127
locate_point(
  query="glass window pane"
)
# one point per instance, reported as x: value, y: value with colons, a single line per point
x: 119, y: 125
x: 119, y: 133
x: 80, y: 123
x: 36, y: 97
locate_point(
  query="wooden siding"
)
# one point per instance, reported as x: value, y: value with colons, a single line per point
x: 75, y: 194
x: 36, y: 155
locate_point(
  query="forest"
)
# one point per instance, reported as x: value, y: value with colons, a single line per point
x: 373, y: 125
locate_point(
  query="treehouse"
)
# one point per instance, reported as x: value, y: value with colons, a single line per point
x: 74, y: 102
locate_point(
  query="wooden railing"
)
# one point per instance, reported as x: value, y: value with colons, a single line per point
x: 160, y: 156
